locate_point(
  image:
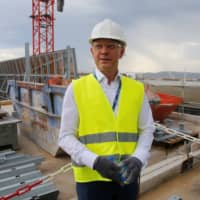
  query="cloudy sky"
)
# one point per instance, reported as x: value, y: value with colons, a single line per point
x: 161, y: 35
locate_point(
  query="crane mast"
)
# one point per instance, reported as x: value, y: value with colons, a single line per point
x: 43, y: 25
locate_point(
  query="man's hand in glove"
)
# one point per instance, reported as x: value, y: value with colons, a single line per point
x: 131, y: 168
x: 107, y: 168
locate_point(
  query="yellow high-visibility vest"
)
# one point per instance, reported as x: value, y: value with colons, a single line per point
x: 103, y: 132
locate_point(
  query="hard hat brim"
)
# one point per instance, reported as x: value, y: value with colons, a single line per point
x: 91, y: 40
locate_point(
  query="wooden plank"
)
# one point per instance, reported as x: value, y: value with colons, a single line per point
x: 5, y: 102
x: 178, y: 139
x: 187, y: 117
x: 160, y: 173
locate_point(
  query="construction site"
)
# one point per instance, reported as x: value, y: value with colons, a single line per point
x: 32, y: 88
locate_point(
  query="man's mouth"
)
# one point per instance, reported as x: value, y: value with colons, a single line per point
x: 105, y: 59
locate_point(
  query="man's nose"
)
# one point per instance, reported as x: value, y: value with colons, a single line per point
x: 104, y: 49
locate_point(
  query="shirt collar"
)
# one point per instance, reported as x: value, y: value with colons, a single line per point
x: 100, y: 76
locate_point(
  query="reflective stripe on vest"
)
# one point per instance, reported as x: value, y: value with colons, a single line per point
x: 109, y: 137
x: 103, y: 132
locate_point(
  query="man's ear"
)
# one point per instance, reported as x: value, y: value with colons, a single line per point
x: 91, y: 50
x: 122, y: 51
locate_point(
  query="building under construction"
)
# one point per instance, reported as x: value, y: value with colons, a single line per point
x: 36, y: 85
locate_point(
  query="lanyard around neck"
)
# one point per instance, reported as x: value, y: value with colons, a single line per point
x: 116, y: 95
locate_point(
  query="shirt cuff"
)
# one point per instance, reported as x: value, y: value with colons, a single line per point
x: 143, y: 156
x: 88, y: 158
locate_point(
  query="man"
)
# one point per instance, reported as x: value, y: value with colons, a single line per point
x: 106, y: 124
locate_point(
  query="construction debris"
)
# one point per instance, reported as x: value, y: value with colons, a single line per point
x: 172, y: 134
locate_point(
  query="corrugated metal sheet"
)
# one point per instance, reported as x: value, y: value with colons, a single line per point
x: 17, y: 170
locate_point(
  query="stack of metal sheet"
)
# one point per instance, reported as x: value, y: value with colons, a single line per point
x: 18, y: 170
x: 8, y: 130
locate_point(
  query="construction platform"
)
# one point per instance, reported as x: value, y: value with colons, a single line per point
x: 185, y: 185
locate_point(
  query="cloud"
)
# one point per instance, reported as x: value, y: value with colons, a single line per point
x: 191, y: 50
x: 161, y: 35
x: 7, y: 54
x: 80, y: 7
x: 164, y: 43
x: 15, y: 23
x: 162, y: 57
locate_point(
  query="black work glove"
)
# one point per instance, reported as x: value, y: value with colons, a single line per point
x: 107, y: 168
x: 131, y: 168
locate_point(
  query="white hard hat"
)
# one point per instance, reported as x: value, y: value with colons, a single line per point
x: 109, y: 30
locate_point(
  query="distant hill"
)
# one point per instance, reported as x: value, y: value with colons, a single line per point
x: 168, y: 75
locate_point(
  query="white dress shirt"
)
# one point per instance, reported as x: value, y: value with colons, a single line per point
x: 70, y: 119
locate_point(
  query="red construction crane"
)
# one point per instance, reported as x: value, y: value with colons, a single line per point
x: 43, y: 25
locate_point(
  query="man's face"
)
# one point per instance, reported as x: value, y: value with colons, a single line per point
x: 106, y: 53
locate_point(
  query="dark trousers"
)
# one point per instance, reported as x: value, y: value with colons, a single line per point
x: 101, y: 190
